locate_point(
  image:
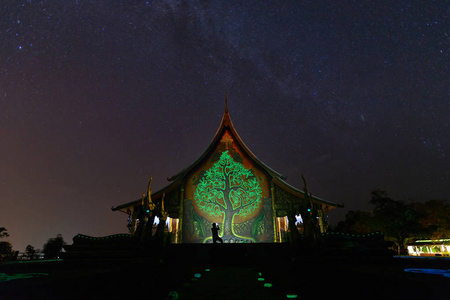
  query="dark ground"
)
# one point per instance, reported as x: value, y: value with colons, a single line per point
x: 228, y: 272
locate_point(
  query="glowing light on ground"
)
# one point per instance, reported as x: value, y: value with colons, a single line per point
x: 445, y: 273
x: 8, y: 277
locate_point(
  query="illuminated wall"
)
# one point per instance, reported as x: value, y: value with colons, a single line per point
x: 228, y: 189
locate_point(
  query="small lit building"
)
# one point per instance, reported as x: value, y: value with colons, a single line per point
x: 440, y: 247
x: 230, y: 186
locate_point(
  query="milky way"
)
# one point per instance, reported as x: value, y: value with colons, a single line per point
x: 97, y: 95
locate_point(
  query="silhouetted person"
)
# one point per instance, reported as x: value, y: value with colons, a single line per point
x: 215, y: 234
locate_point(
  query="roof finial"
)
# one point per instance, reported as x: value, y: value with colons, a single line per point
x: 226, y: 102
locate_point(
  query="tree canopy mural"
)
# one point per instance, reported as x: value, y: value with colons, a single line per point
x: 227, y: 190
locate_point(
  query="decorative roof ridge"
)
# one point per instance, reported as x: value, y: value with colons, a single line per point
x: 226, y: 123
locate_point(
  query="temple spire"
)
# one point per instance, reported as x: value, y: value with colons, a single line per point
x: 226, y: 103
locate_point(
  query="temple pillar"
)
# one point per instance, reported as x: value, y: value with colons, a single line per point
x: 276, y: 236
x: 180, y: 215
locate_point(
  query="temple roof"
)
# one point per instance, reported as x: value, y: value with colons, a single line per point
x: 227, y: 124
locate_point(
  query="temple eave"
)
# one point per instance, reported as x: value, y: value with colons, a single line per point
x: 301, y: 194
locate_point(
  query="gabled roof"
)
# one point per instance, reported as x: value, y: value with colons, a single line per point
x: 226, y: 124
x: 278, y: 178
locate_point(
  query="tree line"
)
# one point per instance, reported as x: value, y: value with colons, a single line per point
x: 51, y: 249
x: 401, y: 222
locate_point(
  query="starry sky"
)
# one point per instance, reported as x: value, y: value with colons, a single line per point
x: 97, y: 95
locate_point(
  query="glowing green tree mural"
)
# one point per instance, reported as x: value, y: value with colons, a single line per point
x: 227, y: 190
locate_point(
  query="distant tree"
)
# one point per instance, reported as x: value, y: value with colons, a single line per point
x: 434, y: 217
x: 398, y: 221
x: 30, y: 251
x: 3, y: 232
x: 53, y: 247
x: 6, y: 251
x: 358, y: 222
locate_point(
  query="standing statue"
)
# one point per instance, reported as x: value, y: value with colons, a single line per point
x: 294, y: 235
x: 159, y: 235
x: 129, y: 221
x: 142, y: 217
x: 312, y: 235
x: 149, y: 207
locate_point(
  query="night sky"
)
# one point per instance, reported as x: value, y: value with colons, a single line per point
x: 97, y: 95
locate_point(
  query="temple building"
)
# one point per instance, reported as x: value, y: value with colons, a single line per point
x: 230, y: 186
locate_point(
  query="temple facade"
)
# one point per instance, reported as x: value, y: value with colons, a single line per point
x: 230, y: 186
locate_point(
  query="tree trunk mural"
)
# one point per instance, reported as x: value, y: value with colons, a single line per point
x: 227, y: 190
